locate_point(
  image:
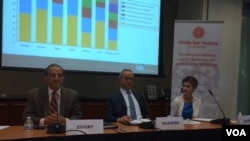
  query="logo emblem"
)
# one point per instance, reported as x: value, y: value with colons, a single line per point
x: 198, y: 32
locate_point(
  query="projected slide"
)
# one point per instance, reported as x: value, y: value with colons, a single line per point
x: 82, y: 35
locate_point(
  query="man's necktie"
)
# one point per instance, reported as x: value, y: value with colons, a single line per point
x: 132, y: 106
x: 53, y: 103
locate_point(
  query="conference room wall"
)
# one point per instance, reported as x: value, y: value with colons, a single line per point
x: 17, y: 83
x: 229, y: 11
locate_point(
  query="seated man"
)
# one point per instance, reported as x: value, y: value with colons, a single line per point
x: 119, y: 107
x: 52, y: 103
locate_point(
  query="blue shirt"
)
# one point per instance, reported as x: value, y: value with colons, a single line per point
x: 187, y: 112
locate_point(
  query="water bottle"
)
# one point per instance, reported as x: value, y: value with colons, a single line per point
x: 238, y: 117
x: 28, y: 124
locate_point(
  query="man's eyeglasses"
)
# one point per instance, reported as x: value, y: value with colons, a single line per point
x: 54, y: 75
x: 128, y: 78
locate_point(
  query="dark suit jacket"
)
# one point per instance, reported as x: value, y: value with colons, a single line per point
x: 38, y: 104
x: 115, y: 106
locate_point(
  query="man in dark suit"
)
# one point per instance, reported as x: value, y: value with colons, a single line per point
x: 39, y: 99
x: 118, y: 107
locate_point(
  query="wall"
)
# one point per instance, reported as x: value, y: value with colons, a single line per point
x: 244, y: 72
x: 228, y: 11
x: 17, y: 83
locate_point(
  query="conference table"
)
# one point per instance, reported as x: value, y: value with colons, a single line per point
x: 205, y: 131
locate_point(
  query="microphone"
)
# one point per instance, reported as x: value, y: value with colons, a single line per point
x: 222, y: 121
x: 57, y: 127
x: 151, y: 124
x: 147, y: 106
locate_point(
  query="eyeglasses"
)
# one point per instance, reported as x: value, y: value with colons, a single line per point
x: 54, y: 75
x: 128, y: 78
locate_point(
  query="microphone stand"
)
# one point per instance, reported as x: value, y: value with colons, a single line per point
x: 147, y: 106
x: 147, y: 125
x: 222, y: 121
x: 57, y: 127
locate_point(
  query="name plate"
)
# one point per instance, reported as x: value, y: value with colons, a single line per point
x: 165, y: 123
x: 244, y: 120
x: 75, y: 127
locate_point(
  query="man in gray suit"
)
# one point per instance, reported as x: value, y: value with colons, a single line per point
x: 38, y: 100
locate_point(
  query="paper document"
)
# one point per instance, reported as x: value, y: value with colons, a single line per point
x: 188, y: 121
x: 3, y: 127
x: 201, y: 119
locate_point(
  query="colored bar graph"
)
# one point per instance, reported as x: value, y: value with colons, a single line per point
x: 113, y: 21
x: 86, y: 22
x: 72, y: 23
x: 77, y: 23
x: 25, y: 20
x: 57, y: 21
x: 41, y: 21
x: 100, y: 24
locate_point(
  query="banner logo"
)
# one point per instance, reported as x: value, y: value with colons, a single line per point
x: 198, y: 32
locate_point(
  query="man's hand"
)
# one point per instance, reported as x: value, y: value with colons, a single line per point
x: 52, y: 119
x: 125, y: 119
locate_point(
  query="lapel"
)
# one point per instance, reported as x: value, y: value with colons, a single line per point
x: 44, y: 95
x: 136, y: 97
x: 63, y: 99
x: 124, y: 106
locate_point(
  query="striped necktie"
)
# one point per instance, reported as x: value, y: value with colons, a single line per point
x: 132, y: 106
x: 53, y: 103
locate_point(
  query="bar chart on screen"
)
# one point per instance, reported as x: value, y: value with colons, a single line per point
x: 81, y: 30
